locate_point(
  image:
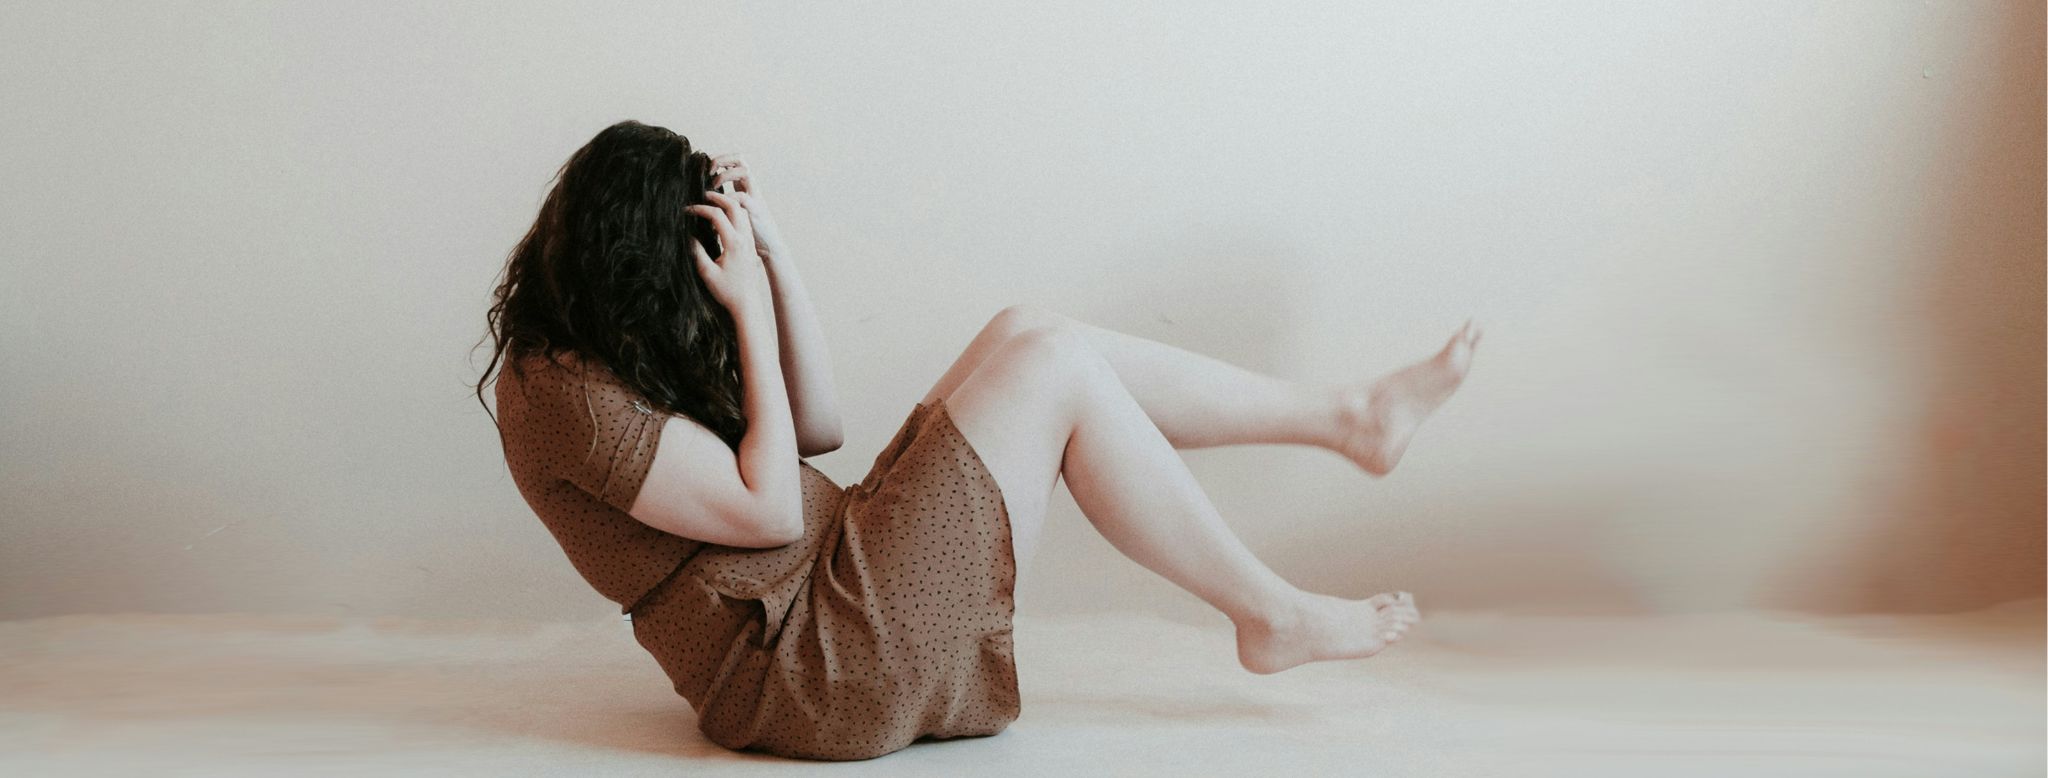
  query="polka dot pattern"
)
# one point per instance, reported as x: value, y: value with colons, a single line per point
x: 889, y: 622
x: 579, y: 445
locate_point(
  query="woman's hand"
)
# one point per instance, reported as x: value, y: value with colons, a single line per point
x: 737, y: 278
x: 729, y: 168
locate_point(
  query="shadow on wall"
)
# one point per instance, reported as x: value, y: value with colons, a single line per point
x: 1961, y: 526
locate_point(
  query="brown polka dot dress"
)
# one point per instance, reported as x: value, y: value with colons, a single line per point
x: 889, y: 622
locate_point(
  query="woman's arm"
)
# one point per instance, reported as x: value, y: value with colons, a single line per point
x: 767, y: 455
x: 813, y: 401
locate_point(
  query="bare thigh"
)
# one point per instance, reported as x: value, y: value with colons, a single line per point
x: 1017, y: 409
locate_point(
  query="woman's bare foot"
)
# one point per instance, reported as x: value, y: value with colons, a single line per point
x: 1377, y: 419
x: 1320, y: 627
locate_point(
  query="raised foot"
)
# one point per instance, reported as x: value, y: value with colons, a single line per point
x: 1320, y: 627
x: 1377, y: 419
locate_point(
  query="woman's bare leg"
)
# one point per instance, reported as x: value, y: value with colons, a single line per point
x: 1198, y: 401
x: 1045, y: 404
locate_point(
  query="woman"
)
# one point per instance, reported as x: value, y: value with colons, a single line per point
x: 656, y: 404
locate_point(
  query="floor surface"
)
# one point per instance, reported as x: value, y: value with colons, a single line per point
x: 1748, y: 694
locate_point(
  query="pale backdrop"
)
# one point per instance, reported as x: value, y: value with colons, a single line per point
x: 1762, y: 281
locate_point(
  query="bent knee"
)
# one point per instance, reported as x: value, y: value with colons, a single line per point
x: 1056, y: 348
x: 1056, y: 361
x: 1020, y: 318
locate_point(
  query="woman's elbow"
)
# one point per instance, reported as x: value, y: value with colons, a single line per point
x: 773, y: 527
x: 789, y: 531
x: 817, y: 443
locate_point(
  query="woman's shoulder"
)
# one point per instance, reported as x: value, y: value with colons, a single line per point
x: 575, y: 379
x: 560, y: 366
x: 543, y: 378
x: 568, y: 402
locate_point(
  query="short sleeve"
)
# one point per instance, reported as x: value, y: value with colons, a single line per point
x: 609, y: 434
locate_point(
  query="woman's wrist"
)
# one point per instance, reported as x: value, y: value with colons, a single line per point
x: 756, y: 314
x: 756, y: 323
x: 756, y: 339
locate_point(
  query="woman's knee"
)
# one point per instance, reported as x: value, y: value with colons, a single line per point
x: 1017, y: 319
x: 1055, y: 356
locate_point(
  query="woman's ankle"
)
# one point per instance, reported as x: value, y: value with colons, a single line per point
x: 1276, y: 613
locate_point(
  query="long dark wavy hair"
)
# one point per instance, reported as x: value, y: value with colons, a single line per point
x: 606, y: 272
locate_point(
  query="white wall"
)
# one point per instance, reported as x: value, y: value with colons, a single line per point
x: 1762, y: 280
